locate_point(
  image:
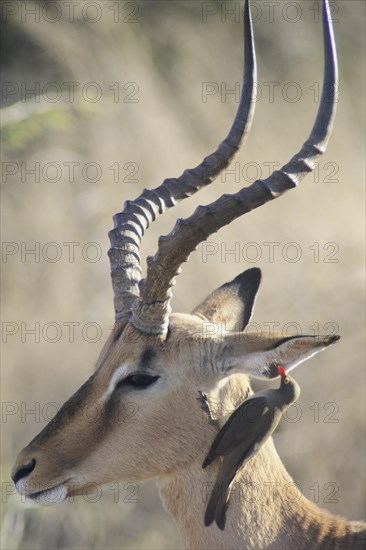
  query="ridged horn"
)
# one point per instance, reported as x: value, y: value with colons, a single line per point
x: 151, y: 311
x: 137, y: 215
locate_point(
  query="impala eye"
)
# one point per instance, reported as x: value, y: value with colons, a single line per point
x: 138, y: 381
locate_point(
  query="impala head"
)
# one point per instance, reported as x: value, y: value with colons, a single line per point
x: 138, y: 416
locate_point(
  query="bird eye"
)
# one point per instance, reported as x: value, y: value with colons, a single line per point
x: 138, y: 381
x: 286, y: 380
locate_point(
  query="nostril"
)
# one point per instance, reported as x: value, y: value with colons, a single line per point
x: 24, y: 470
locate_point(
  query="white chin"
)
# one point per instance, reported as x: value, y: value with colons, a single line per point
x: 49, y: 496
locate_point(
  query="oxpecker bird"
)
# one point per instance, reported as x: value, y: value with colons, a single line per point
x: 244, y: 433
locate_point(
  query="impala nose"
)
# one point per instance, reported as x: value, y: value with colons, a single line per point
x: 24, y: 470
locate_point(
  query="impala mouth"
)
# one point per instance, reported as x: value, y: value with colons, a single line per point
x: 46, y: 497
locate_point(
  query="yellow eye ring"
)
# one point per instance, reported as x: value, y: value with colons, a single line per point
x: 286, y: 380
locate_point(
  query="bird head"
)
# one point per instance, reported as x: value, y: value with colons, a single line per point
x: 289, y: 388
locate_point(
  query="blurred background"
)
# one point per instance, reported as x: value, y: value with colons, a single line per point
x: 100, y: 99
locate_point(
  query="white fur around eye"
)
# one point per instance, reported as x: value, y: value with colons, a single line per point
x: 118, y: 375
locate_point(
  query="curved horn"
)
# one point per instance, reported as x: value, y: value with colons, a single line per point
x: 137, y: 215
x: 150, y: 313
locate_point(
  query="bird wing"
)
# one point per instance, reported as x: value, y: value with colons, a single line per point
x: 220, y: 497
x: 251, y: 417
x: 235, y: 458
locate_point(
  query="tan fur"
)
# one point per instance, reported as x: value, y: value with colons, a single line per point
x: 167, y: 437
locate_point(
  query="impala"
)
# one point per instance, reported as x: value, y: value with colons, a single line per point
x: 162, y: 361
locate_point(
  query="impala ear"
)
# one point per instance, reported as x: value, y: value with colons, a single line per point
x: 232, y: 303
x: 259, y: 357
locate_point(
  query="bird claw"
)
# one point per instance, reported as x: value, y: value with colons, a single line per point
x: 205, y: 406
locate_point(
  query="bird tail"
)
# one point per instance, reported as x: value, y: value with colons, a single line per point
x: 217, y: 504
x: 221, y: 514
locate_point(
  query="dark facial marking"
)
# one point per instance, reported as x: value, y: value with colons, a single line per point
x: 147, y: 356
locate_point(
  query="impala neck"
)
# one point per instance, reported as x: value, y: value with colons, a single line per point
x: 266, y: 497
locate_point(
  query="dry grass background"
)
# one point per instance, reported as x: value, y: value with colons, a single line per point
x: 169, y: 53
